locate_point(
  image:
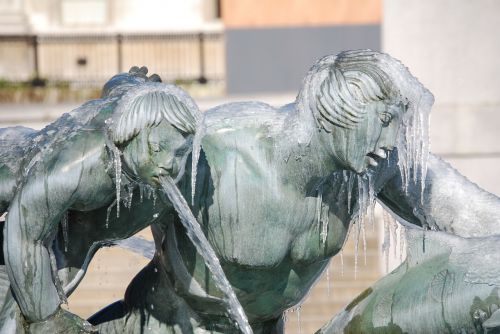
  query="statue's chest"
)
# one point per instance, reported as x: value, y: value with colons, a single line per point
x: 259, y: 223
x: 256, y: 212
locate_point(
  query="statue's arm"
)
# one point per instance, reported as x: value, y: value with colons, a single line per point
x: 451, y: 202
x: 54, y: 185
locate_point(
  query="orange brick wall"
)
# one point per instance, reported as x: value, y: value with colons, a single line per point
x: 279, y: 13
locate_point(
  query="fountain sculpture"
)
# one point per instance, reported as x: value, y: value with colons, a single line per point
x: 247, y: 204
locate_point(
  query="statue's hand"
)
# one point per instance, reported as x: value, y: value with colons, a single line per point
x: 142, y: 72
x: 62, y: 322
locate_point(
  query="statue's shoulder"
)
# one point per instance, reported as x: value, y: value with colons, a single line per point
x: 242, y: 115
x: 238, y: 126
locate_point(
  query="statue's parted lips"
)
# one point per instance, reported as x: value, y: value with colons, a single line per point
x: 379, y: 153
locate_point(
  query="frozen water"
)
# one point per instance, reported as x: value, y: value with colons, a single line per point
x: 64, y: 225
x: 118, y: 177
x: 387, y: 238
x: 200, y: 133
x: 108, y: 212
x: 299, y: 321
x: 204, y: 248
x: 138, y: 245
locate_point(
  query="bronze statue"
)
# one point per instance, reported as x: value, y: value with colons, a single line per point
x: 273, y: 190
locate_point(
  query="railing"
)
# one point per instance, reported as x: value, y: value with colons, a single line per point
x: 92, y: 59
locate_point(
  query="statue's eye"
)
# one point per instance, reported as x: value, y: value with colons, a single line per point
x: 386, y: 118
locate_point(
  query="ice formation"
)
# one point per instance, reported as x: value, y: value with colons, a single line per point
x: 204, y: 248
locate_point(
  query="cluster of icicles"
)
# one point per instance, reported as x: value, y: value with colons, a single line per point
x: 352, y: 185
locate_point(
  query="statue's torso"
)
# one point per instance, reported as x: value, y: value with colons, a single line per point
x: 262, y: 212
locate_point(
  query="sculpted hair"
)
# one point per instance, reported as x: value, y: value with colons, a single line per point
x: 338, y: 88
x: 148, y: 104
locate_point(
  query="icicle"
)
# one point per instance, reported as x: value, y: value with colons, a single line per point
x: 141, y: 192
x: 363, y: 232
x: 387, y: 239
x: 371, y: 202
x: 205, y: 250
x: 130, y: 195
x: 413, y: 148
x: 362, y: 208
x: 118, y: 177
x: 349, y: 191
x: 64, y: 225
x: 200, y: 133
x: 328, y: 279
x: 416, y: 147
x: 154, y: 197
x: 356, y: 247
x: 361, y: 199
x: 347, y: 237
x: 395, y: 228
x: 322, y: 218
x: 324, y: 229
x: 182, y: 163
x: 425, y: 153
x: 319, y: 202
x: 108, y: 212
x: 342, y: 263
x: 298, y: 319
x: 402, y: 242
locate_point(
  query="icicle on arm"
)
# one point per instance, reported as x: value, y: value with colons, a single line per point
x: 118, y: 177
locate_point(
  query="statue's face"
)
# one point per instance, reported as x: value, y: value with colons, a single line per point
x: 154, y: 152
x: 361, y: 147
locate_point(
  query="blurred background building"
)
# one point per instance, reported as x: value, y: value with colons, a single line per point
x: 59, y: 52
x: 88, y: 41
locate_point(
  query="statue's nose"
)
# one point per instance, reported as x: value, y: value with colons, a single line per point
x: 388, y: 137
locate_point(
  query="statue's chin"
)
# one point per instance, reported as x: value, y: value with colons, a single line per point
x: 359, y: 168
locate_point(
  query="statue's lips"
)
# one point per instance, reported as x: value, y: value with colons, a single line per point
x: 376, y: 155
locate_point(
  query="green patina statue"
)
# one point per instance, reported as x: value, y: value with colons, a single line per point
x: 272, y: 194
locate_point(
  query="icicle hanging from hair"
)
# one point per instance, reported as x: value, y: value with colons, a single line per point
x: 413, y: 147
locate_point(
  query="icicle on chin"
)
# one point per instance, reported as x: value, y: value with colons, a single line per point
x: 365, y: 207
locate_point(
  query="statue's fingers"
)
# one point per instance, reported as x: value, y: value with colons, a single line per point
x: 133, y: 70
x: 154, y: 78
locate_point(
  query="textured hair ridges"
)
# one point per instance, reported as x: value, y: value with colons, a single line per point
x: 338, y: 88
x: 147, y: 105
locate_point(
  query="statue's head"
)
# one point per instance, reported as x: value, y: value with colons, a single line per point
x: 363, y: 99
x: 153, y: 127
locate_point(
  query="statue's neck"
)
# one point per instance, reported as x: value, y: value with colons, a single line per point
x: 310, y: 146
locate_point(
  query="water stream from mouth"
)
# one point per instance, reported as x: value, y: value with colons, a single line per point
x: 204, y: 248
